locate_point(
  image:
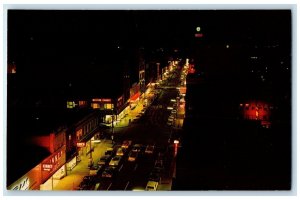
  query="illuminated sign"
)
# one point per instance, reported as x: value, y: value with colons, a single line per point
x: 22, y: 185
x: 101, y: 100
x: 80, y: 144
x: 105, y: 100
x: 47, y: 167
x: 199, y: 35
x: 51, y: 162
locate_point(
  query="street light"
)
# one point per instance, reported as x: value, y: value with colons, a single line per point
x: 112, y: 125
x: 176, y: 142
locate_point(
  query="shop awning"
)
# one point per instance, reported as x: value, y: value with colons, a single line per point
x: 135, y: 97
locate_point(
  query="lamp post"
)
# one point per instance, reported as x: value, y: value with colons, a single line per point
x: 112, y: 125
x: 176, y: 142
x: 91, y: 156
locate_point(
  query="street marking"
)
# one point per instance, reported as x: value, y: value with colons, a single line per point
x: 109, y: 186
x: 126, y: 185
x: 135, y: 167
x: 120, y: 167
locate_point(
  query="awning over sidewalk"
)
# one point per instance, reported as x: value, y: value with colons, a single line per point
x: 135, y: 97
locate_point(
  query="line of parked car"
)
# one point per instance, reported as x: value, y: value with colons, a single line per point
x: 108, y: 164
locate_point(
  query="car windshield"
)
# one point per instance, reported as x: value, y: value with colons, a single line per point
x: 116, y: 158
x: 133, y: 154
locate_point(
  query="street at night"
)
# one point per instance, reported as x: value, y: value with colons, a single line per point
x: 149, y: 100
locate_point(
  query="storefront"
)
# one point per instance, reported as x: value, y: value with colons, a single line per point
x: 30, y: 181
x: 71, y: 164
x: 84, y: 148
x: 54, y: 179
x: 53, y: 169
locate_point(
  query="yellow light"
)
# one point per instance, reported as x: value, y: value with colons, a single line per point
x: 198, y: 29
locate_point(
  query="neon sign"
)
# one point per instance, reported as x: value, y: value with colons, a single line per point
x: 23, y: 185
x: 80, y: 144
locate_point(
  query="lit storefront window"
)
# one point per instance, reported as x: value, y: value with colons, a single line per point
x: 108, y: 106
x: 95, y: 105
x: 70, y: 104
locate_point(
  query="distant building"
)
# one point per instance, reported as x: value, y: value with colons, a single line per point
x: 257, y: 110
x: 11, y: 68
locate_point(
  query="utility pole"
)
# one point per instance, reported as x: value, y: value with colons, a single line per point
x: 112, y: 126
x: 157, y: 69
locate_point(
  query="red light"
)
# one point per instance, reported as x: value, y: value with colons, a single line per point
x: 199, y: 35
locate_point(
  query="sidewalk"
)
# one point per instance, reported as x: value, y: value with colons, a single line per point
x: 75, y: 176
x: 124, y: 122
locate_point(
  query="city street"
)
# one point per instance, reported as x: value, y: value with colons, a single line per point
x: 145, y: 125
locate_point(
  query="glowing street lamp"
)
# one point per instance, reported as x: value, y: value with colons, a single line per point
x: 176, y: 142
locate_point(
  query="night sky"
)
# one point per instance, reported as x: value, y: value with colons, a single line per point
x: 56, y: 50
x: 46, y: 39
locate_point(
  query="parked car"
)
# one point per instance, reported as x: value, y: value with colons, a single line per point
x: 149, y: 149
x: 104, y: 160
x: 151, y: 186
x: 86, y: 183
x: 120, y: 151
x: 108, y: 172
x: 137, y: 147
x: 132, y: 156
x: 115, y: 161
x: 170, y: 119
x: 170, y: 123
x: 109, y: 151
x: 126, y: 144
x: 154, y: 176
x: 96, y: 169
x: 159, y: 164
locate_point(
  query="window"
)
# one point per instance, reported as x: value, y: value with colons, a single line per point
x: 108, y: 106
x: 79, y: 134
x: 95, y: 105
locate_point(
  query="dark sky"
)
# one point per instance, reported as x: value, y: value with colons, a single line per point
x: 64, y: 43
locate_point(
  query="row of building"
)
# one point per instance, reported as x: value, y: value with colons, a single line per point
x: 55, y: 139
